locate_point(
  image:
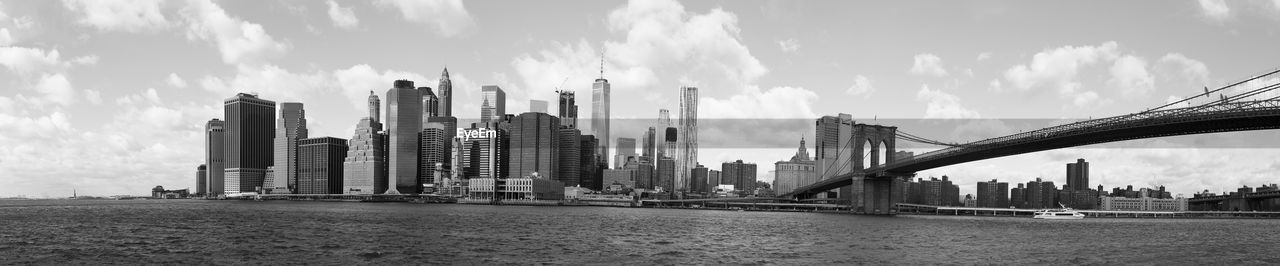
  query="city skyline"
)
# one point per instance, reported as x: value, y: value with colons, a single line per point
x: 66, y: 71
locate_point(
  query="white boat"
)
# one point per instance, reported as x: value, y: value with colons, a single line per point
x: 1058, y: 214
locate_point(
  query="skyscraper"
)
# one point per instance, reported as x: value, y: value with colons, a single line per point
x: 664, y: 118
x: 741, y: 174
x: 404, y: 122
x: 433, y: 152
x: 535, y: 145
x: 665, y: 174
x: 497, y: 104
x: 321, y: 161
x: 626, y: 148
x: 833, y: 153
x: 538, y: 106
x: 291, y: 127
x: 993, y: 194
x: 1078, y: 175
x: 479, y: 153
x: 445, y: 93
x: 364, y: 170
x: 214, y: 157
x: 374, y: 105
x: 600, y: 116
x: 648, y: 142
x: 687, y: 155
x: 698, y: 179
x: 669, y: 140
x: 591, y: 174
x: 250, y: 129
x: 202, y: 179
x: 571, y: 164
x: 568, y: 110
x: 430, y: 103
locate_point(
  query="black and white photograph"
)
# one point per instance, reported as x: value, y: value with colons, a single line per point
x: 639, y: 132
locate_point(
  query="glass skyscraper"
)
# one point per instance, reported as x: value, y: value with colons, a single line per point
x: 249, y: 133
x: 404, y: 123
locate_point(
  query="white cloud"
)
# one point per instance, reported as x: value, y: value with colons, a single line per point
x: 1215, y: 10
x: 6, y: 39
x: 282, y: 84
x: 357, y: 81
x: 446, y: 17
x: 789, y: 45
x: 940, y: 104
x: 1084, y: 98
x: 119, y: 15
x: 928, y: 64
x: 149, y: 96
x: 662, y: 34
x: 777, y: 102
x: 984, y: 56
x: 26, y: 61
x: 238, y: 41
x: 1057, y: 68
x: 861, y: 87
x: 175, y: 81
x: 55, y: 89
x: 1178, y: 66
x: 342, y: 17
x: 1129, y: 74
x: 85, y: 60
x: 94, y: 96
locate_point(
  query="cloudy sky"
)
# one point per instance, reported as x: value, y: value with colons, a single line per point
x: 110, y: 96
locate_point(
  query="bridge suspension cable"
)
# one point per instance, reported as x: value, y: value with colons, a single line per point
x: 913, y: 138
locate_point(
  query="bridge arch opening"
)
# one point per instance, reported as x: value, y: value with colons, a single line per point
x: 868, y: 149
x: 883, y: 153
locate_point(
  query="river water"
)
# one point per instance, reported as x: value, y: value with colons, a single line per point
x: 290, y: 232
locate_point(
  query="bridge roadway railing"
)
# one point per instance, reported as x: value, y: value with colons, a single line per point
x: 1144, y: 119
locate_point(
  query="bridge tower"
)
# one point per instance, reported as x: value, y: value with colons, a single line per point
x: 873, y: 192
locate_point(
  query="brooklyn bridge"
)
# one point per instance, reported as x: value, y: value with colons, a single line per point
x: 874, y: 183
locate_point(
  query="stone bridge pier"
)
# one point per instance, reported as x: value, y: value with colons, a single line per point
x: 873, y: 192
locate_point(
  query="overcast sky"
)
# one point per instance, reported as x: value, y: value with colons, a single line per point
x: 110, y: 97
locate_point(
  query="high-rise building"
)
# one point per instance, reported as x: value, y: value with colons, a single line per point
x: 698, y: 179
x: 450, y: 126
x: 374, y: 105
x: 644, y: 174
x: 321, y: 162
x: 214, y: 157
x: 649, y: 149
x: 432, y: 152
x: 993, y: 194
x: 668, y: 149
x: 291, y: 127
x: 538, y: 106
x: 496, y: 99
x: 480, y: 152
x: 664, y: 118
x: 1078, y: 175
x: 202, y: 179
x: 404, y: 122
x: 430, y: 104
x: 592, y: 174
x: 833, y: 154
x: 570, y: 168
x: 445, y: 93
x: 364, y: 170
x: 568, y: 109
x: 714, y: 179
x: 665, y: 174
x: 600, y: 116
x: 626, y: 149
x: 794, y: 173
x: 1018, y: 197
x: 535, y: 145
x: 741, y: 175
x: 249, y: 131
x: 687, y: 153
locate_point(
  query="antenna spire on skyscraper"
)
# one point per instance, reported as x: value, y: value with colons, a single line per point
x: 602, y: 51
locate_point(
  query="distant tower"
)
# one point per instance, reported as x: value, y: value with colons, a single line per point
x: 1078, y: 175
x: 687, y: 156
x: 497, y: 104
x: 567, y: 109
x: 430, y: 103
x: 535, y: 145
x: 214, y: 157
x: 600, y: 114
x: 250, y: 128
x: 445, y: 92
x: 291, y: 127
x: 664, y: 118
x: 404, y: 122
x: 364, y: 169
x: 374, y: 104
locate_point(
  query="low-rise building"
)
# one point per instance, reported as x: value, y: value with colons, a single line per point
x: 1143, y: 204
x: 514, y: 189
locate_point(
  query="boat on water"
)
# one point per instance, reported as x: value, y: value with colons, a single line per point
x: 1058, y: 214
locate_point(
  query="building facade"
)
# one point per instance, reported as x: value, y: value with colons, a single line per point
x: 687, y: 154
x: 1078, y: 175
x: 404, y: 123
x: 432, y: 153
x: 535, y: 145
x: 445, y: 92
x: 291, y: 127
x: 1143, y: 204
x: 600, y: 117
x: 794, y: 173
x: 321, y: 165
x: 214, y: 158
x: 248, y: 138
x: 740, y: 174
x: 567, y: 109
x: 493, y: 105
x: 364, y: 170
x: 993, y: 194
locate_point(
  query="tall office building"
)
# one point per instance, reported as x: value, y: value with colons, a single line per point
x: 445, y: 93
x: 538, y: 106
x: 664, y: 118
x: 321, y: 161
x: 592, y: 175
x: 698, y: 179
x: 497, y: 104
x: 665, y: 176
x: 833, y: 153
x: 404, y: 122
x: 648, y: 143
x: 432, y: 152
x: 479, y: 154
x: 600, y: 116
x: 291, y: 127
x: 535, y: 145
x: 794, y: 173
x: 1078, y: 175
x: 249, y: 133
x: 571, y: 164
x: 687, y: 153
x: 202, y: 179
x: 364, y: 170
x: 567, y: 109
x: 430, y: 103
x: 993, y: 194
x: 214, y: 157
x: 741, y: 175
x: 626, y: 149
